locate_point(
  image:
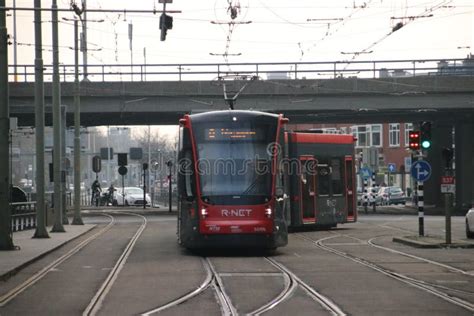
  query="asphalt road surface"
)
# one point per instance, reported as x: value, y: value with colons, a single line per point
x: 130, y: 264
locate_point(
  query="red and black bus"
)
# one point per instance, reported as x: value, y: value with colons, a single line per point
x: 321, y: 179
x: 229, y: 182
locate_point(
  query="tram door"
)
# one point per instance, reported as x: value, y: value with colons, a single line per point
x: 308, y: 188
x: 349, y: 186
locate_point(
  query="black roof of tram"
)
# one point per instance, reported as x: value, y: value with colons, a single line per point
x: 220, y: 116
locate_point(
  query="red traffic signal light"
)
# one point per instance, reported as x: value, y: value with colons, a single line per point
x: 414, y: 140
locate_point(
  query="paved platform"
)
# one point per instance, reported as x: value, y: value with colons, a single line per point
x: 31, y: 249
x: 432, y: 242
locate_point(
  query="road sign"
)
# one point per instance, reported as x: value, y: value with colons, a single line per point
x: 407, y: 161
x: 447, y: 184
x: 392, y: 167
x: 122, y: 170
x: 366, y: 173
x: 421, y: 170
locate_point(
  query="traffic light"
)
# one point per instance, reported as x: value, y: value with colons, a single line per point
x: 166, y: 23
x: 122, y: 159
x: 414, y: 140
x: 448, y: 157
x: 425, y: 135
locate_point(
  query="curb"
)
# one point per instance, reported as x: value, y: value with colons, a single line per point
x: 7, y: 275
x: 408, y: 241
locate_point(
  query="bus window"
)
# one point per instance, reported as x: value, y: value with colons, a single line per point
x: 336, y: 176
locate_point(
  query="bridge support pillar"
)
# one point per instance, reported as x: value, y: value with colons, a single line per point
x: 464, y: 158
x: 442, y: 137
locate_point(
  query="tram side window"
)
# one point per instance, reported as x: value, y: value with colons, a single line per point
x: 336, y: 176
x: 280, y: 179
x: 323, y: 176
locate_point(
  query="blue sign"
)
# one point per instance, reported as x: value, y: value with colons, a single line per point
x: 366, y: 173
x: 421, y: 170
x: 392, y: 167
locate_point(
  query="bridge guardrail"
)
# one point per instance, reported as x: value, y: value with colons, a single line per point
x: 264, y: 70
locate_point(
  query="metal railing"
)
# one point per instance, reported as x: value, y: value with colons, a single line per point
x: 264, y: 70
x: 23, y: 216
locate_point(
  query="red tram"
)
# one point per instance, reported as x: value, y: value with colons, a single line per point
x: 322, y: 192
x: 243, y: 180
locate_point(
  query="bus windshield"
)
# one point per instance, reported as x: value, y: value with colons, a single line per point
x: 235, y: 160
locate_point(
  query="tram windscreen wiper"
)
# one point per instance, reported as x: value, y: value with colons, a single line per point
x: 252, y: 185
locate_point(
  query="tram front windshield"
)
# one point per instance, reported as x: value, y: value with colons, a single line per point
x: 235, y: 161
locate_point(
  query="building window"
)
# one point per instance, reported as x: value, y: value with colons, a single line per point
x: 394, y: 134
x: 362, y: 133
x: 408, y: 129
x: 376, y: 135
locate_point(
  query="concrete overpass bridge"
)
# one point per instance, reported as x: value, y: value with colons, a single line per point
x: 381, y: 91
x: 360, y: 92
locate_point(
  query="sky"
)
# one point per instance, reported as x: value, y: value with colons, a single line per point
x: 265, y: 30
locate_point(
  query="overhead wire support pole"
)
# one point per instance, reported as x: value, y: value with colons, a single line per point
x: 84, y: 39
x: 58, y: 222
x: 40, y: 231
x: 77, y: 220
x: 6, y: 240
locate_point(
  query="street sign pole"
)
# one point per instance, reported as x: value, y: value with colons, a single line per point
x: 421, y: 213
x: 421, y: 203
x: 447, y: 209
x: 447, y: 187
x: 421, y: 171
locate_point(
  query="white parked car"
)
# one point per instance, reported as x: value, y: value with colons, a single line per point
x: 133, y: 196
x: 470, y: 223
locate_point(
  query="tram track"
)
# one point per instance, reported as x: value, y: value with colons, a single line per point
x: 6, y: 298
x: 371, y: 243
x: 422, y: 285
x: 325, y: 302
x: 213, y: 279
x: 96, y: 302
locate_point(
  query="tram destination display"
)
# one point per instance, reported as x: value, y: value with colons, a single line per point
x: 234, y: 134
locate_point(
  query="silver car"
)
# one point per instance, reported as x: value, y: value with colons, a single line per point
x: 470, y: 223
x: 391, y: 195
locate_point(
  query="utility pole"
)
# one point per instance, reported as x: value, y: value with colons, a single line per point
x: 84, y: 40
x: 39, y: 128
x: 6, y: 242
x: 15, y: 44
x: 77, y: 220
x: 58, y: 222
x: 130, y: 37
x: 63, y: 162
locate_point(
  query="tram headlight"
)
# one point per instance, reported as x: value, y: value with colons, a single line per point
x: 268, y: 212
x: 204, y: 212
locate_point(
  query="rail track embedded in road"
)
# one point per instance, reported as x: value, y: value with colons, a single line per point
x: 96, y: 302
x: 40, y: 274
x: 213, y: 279
x: 397, y: 276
